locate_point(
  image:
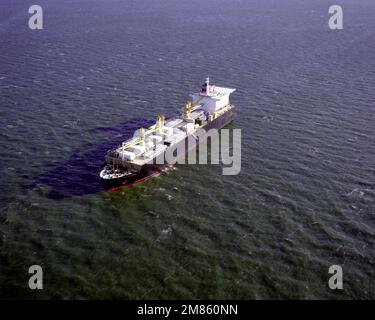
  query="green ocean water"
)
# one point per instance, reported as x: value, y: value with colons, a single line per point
x: 303, y: 201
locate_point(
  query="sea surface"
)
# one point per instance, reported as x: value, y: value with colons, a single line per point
x: 303, y: 201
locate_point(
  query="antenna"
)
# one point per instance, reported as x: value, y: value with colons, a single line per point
x: 207, y: 85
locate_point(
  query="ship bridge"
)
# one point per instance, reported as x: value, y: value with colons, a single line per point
x: 212, y: 98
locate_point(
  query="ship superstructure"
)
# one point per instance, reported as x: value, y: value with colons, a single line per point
x: 135, y: 158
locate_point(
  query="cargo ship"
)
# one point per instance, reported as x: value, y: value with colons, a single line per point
x: 138, y: 158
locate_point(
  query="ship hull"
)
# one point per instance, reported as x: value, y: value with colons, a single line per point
x: 150, y: 170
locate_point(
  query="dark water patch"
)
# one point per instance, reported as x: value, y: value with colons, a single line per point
x: 79, y: 175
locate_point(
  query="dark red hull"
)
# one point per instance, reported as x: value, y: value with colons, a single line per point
x: 153, y: 170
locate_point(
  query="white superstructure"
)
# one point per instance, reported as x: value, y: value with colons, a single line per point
x: 147, y: 144
x: 212, y: 98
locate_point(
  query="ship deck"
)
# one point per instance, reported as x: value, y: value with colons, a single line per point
x: 150, y: 155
